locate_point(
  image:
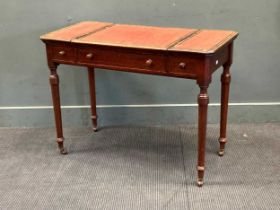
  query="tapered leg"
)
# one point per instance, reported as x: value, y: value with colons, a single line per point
x: 203, y: 101
x: 54, y: 82
x: 225, y: 80
x: 91, y: 79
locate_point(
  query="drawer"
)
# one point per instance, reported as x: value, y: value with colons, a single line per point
x: 182, y: 66
x: 121, y: 59
x: 63, y: 53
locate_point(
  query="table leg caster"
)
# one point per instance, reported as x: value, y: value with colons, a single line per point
x: 199, y: 182
x: 62, y: 150
x: 94, y: 122
x: 221, y: 152
x: 200, y: 175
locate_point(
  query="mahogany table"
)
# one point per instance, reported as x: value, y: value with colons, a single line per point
x: 174, y: 52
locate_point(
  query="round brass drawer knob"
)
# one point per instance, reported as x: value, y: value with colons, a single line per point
x: 62, y: 52
x: 182, y: 65
x: 89, y: 55
x: 149, y: 62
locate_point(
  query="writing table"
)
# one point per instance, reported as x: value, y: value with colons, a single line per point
x: 174, y: 52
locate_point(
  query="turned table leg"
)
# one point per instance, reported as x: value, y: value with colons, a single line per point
x: 225, y: 80
x: 54, y: 82
x: 203, y: 101
x: 91, y: 79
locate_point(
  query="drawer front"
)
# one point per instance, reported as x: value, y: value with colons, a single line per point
x: 182, y: 66
x: 63, y: 53
x: 121, y: 59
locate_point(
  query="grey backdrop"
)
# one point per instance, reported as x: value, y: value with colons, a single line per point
x: 24, y: 73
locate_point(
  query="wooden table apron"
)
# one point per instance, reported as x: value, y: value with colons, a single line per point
x: 189, y: 65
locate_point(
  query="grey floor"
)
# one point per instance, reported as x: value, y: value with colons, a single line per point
x: 138, y: 167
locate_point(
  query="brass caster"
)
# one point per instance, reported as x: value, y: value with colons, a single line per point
x: 221, y: 153
x: 63, y: 151
x: 199, y: 182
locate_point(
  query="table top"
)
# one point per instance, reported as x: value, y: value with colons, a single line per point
x: 144, y: 37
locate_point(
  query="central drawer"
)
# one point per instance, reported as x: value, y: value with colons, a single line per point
x: 121, y: 59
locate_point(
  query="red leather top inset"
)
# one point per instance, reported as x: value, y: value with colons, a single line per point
x: 137, y: 36
x: 74, y: 31
x: 146, y: 37
x: 205, y: 41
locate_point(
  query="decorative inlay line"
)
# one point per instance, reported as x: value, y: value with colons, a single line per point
x: 184, y: 39
x: 92, y: 32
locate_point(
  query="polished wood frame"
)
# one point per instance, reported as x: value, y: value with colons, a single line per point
x: 188, y: 65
